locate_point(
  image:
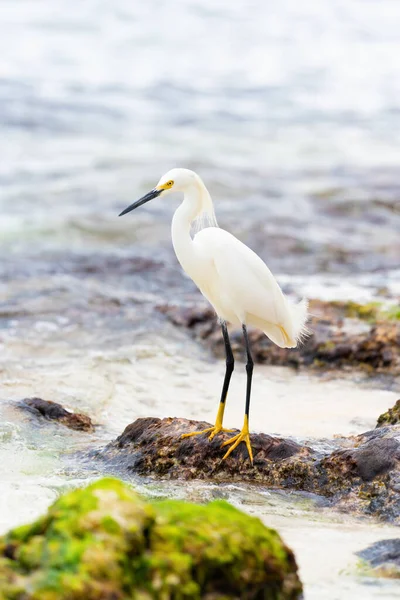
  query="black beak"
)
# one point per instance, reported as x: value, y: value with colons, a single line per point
x: 153, y: 194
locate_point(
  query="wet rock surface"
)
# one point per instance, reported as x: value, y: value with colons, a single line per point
x: 366, y: 476
x: 104, y: 542
x: 342, y: 335
x: 56, y: 412
x: 362, y: 474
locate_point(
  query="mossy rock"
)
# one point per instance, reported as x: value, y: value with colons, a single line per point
x: 104, y: 542
x: 390, y: 417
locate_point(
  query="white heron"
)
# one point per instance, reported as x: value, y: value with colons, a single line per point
x: 234, y: 280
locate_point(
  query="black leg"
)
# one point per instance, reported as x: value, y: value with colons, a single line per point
x: 244, y: 435
x: 249, y: 370
x: 230, y: 362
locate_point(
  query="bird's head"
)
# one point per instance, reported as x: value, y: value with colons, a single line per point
x: 176, y: 180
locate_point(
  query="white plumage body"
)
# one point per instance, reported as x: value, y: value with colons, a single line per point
x: 242, y: 289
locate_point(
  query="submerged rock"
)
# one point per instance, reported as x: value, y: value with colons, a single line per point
x: 390, y: 417
x: 56, y: 412
x: 362, y: 474
x: 106, y: 543
x: 343, y: 334
x: 382, y: 559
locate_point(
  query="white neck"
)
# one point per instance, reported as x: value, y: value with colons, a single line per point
x: 180, y: 228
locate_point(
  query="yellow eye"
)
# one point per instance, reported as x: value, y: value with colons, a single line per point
x: 170, y: 183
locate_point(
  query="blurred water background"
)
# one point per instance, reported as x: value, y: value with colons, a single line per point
x: 290, y: 113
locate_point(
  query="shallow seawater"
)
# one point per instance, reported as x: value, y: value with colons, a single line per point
x: 290, y: 114
x: 39, y: 461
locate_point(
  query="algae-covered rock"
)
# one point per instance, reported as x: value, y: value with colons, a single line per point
x: 106, y: 543
x: 390, y: 417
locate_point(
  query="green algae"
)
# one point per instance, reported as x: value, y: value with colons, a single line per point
x: 393, y: 313
x: 372, y: 312
x: 220, y: 541
x: 106, y: 543
x: 390, y: 417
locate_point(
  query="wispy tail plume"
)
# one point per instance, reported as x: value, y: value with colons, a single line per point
x: 300, y: 317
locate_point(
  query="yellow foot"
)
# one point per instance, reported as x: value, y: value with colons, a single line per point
x: 213, y: 431
x: 243, y: 436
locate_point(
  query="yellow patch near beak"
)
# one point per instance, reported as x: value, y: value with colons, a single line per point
x: 165, y: 186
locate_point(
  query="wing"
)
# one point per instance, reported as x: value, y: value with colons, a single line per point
x: 243, y: 277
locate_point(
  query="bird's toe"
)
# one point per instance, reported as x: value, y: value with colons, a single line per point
x: 243, y: 436
x: 192, y: 433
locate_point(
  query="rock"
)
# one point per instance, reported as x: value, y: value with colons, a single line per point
x: 55, y: 412
x: 362, y: 474
x: 382, y: 559
x: 390, y: 417
x: 366, y: 477
x: 106, y: 543
x: 343, y: 334
x: 374, y: 457
x: 155, y: 446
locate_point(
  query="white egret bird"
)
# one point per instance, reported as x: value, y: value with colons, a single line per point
x: 234, y: 280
